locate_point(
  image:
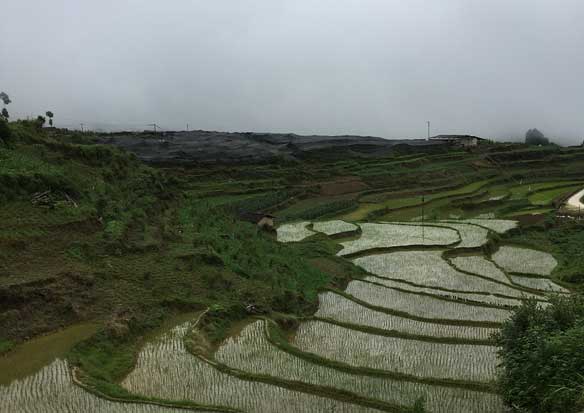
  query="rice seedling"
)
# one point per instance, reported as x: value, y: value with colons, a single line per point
x: 422, y: 306
x: 418, y: 358
x: 542, y: 284
x: 251, y: 351
x: 293, y: 232
x: 165, y: 369
x: 397, y: 235
x: 429, y: 269
x: 472, y: 236
x: 51, y: 390
x: 334, y: 227
x: 481, y: 266
x: 500, y: 226
x: 341, y: 309
x: 471, y: 298
x: 526, y: 261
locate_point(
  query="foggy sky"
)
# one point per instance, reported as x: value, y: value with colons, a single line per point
x: 493, y: 68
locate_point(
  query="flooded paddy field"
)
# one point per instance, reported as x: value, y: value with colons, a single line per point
x: 419, y: 326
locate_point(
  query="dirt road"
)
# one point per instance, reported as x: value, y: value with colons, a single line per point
x: 574, y: 202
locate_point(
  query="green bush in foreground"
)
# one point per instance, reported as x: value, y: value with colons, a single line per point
x: 542, y: 353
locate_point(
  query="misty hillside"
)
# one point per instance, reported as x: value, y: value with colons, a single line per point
x: 224, y: 147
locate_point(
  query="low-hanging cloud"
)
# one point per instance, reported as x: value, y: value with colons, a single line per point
x: 370, y: 67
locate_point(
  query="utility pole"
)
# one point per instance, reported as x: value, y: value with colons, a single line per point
x: 154, y: 125
x: 187, y: 127
x: 81, y: 127
x: 428, y: 123
x: 423, y: 225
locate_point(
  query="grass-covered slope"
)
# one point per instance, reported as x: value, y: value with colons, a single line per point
x: 88, y: 231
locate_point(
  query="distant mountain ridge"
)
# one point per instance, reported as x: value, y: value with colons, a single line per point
x: 236, y: 147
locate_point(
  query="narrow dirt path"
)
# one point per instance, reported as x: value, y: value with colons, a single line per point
x: 574, y: 202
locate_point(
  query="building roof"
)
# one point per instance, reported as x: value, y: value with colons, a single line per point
x: 454, y: 137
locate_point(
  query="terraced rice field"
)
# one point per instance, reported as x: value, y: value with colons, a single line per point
x: 542, y: 284
x: 498, y: 225
x: 398, y: 235
x: 52, y: 391
x: 419, y: 326
x: 429, y: 269
x: 524, y: 190
x: 547, y: 197
x: 165, y: 369
x: 423, y: 307
x: 374, y: 202
x: 293, y: 232
x: 473, y: 236
x: 251, y: 351
x: 334, y: 227
x: 525, y: 261
x: 481, y: 266
x: 474, y: 297
x: 418, y: 358
x: 339, y: 308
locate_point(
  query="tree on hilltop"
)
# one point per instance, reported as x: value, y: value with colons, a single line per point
x: 6, y: 100
x: 50, y: 116
x: 535, y: 137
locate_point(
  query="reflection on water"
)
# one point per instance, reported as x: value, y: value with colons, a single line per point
x: 30, y: 357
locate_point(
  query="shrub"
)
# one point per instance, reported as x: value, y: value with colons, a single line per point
x: 535, y: 137
x: 542, y: 353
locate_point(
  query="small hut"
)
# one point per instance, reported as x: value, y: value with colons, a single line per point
x: 263, y: 221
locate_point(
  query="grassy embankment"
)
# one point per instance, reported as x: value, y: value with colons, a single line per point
x: 122, y: 243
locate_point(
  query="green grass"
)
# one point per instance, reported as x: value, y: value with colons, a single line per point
x: 524, y: 190
x: 251, y: 254
x: 6, y: 346
x: 374, y: 203
x: 529, y: 210
x: 548, y: 196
